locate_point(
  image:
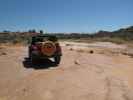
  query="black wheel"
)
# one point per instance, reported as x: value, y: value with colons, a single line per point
x: 33, y: 60
x: 57, y: 59
x: 29, y: 53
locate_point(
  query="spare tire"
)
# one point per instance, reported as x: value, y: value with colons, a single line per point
x: 48, y: 48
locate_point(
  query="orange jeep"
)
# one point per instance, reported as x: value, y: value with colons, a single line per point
x: 44, y: 47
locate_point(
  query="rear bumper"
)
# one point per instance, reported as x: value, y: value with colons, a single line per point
x: 41, y: 56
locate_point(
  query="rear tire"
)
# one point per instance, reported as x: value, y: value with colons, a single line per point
x: 57, y: 59
x: 33, y: 59
x: 29, y: 53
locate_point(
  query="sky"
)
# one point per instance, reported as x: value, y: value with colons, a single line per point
x: 65, y: 15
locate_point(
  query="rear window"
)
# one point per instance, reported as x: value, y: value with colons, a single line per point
x: 44, y: 38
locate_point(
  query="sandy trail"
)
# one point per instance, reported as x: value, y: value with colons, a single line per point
x: 103, y: 75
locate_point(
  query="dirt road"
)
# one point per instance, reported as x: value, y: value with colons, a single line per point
x: 105, y: 74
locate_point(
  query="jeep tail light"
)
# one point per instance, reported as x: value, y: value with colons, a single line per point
x: 58, y: 47
x: 34, y: 47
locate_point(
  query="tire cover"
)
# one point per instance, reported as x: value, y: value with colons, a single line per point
x: 48, y: 48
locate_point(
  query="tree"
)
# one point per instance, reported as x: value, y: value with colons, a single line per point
x: 41, y: 31
x: 32, y: 31
x: 6, y: 31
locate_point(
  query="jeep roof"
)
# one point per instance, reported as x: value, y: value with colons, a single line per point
x: 40, y: 38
